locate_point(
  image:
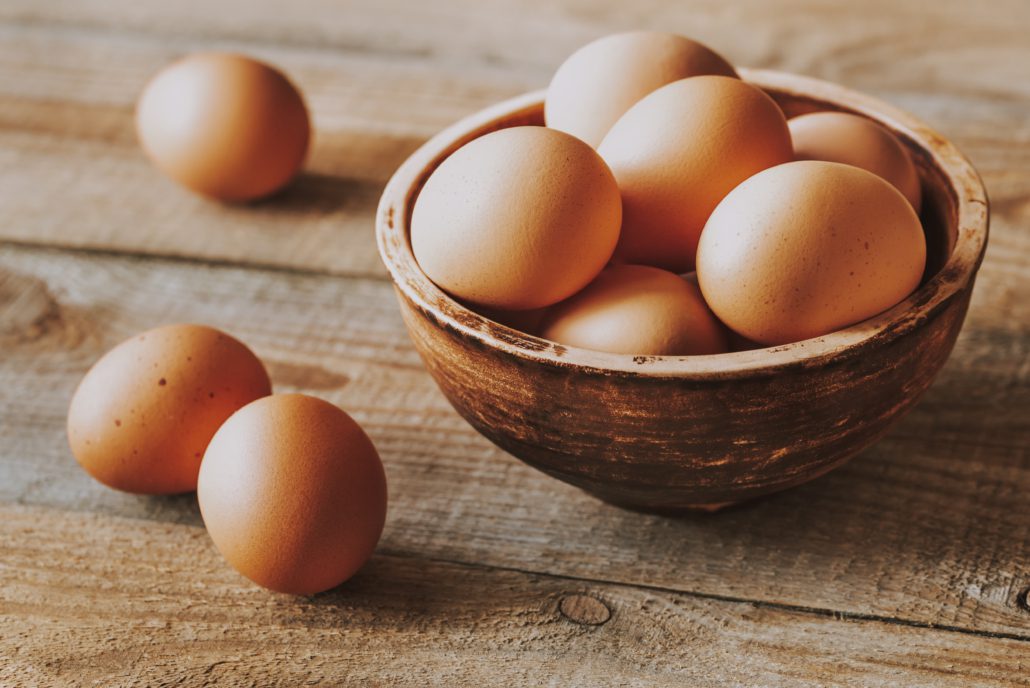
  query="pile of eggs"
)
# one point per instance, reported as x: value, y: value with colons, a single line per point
x: 290, y: 488
x: 669, y: 208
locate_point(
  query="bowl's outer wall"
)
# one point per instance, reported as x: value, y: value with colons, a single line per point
x: 663, y: 442
x: 668, y: 443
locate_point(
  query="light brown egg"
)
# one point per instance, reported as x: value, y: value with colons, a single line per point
x: 603, y: 79
x: 517, y: 219
x: 224, y: 125
x: 806, y: 248
x: 293, y: 494
x: 858, y: 141
x: 734, y: 341
x: 678, y: 152
x: 143, y: 415
x: 635, y: 309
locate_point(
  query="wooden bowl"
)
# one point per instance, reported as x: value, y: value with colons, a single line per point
x: 663, y: 433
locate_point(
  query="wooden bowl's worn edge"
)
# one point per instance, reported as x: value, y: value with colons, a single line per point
x: 958, y: 273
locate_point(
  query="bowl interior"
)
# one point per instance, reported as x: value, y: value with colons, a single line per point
x: 954, y: 217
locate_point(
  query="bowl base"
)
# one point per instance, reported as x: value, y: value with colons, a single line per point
x: 680, y: 510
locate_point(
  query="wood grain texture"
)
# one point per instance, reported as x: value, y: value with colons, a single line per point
x: 382, y: 76
x: 904, y: 567
x: 919, y: 528
x: 179, y: 616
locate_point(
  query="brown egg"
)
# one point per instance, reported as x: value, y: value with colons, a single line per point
x: 603, y: 79
x: 678, y: 152
x: 858, y: 141
x: 517, y: 219
x: 734, y: 341
x: 806, y: 248
x: 224, y: 125
x: 635, y: 309
x: 293, y: 494
x: 143, y: 415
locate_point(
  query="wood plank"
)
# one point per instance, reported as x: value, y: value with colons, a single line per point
x: 174, y: 613
x: 72, y: 173
x: 904, y: 567
x: 930, y: 526
x: 799, y: 34
x: 381, y: 77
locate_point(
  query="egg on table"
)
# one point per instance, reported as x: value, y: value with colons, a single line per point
x: 636, y: 309
x: 858, y: 141
x: 678, y: 152
x: 603, y: 79
x: 517, y: 219
x: 224, y: 125
x: 143, y: 415
x: 806, y: 248
x: 293, y: 493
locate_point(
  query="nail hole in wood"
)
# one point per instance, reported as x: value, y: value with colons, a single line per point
x: 1023, y: 600
x: 584, y: 610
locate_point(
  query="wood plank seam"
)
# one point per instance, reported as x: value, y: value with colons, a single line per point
x: 103, y: 31
x: 195, y: 260
x: 765, y: 604
x: 586, y: 582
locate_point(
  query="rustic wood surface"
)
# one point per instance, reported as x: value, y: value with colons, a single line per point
x: 909, y: 566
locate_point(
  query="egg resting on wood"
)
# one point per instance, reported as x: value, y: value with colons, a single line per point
x: 143, y: 415
x: 224, y: 125
x: 293, y: 493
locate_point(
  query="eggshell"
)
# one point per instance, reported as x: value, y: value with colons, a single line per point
x: 806, y: 248
x: 603, y: 79
x: 678, y: 152
x: 734, y: 341
x: 224, y: 125
x: 517, y: 219
x: 143, y: 415
x: 858, y: 141
x: 635, y: 309
x: 293, y: 493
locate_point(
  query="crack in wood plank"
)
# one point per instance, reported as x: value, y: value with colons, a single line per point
x: 468, y: 618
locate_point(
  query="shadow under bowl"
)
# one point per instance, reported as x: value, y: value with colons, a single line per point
x: 665, y: 433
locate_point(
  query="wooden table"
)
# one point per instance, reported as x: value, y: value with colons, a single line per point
x: 909, y: 566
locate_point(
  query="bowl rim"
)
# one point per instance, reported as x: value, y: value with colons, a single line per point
x: 972, y: 220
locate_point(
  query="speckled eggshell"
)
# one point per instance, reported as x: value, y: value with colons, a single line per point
x: 603, y: 79
x: 678, y: 152
x: 858, y: 141
x: 517, y: 219
x: 143, y: 415
x: 806, y: 248
x: 224, y: 125
x: 635, y: 309
x: 293, y: 494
